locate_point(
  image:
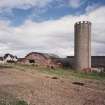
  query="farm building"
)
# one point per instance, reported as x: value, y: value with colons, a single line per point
x: 9, y: 58
x: 21, y: 60
x: 1, y: 60
x: 40, y: 59
x: 51, y: 60
x: 96, y: 62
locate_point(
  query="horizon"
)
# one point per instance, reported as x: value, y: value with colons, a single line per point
x: 48, y: 53
x: 48, y: 26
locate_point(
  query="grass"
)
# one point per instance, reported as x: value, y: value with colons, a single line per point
x: 5, y: 66
x: 21, y: 103
x: 59, y: 72
x: 9, y: 99
x: 65, y: 73
x: 5, y: 102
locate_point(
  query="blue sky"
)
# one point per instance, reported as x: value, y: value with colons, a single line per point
x: 53, y: 10
x: 20, y: 21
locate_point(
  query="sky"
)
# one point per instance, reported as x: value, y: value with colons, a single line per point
x: 47, y: 26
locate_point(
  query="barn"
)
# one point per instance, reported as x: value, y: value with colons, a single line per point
x: 39, y: 59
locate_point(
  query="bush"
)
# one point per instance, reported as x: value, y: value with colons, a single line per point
x: 21, y: 103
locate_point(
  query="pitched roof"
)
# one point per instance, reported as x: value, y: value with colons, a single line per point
x: 12, y: 56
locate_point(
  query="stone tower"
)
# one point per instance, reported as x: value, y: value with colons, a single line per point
x: 82, y: 45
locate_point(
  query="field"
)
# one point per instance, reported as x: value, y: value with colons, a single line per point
x: 29, y: 85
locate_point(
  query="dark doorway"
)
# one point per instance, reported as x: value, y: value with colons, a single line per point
x: 31, y: 61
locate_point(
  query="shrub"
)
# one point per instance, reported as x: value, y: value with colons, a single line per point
x: 21, y: 103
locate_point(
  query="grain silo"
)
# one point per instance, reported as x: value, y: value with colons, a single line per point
x: 82, y: 45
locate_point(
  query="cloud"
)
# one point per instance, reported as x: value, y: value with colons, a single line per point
x: 92, y: 7
x: 76, y: 3
x: 9, y: 8
x: 53, y: 36
x: 24, y: 4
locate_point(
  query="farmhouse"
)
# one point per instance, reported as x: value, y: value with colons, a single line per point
x: 9, y: 58
x: 1, y: 60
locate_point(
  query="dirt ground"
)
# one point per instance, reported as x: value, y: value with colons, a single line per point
x: 42, y: 89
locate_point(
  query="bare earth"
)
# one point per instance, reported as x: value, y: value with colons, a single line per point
x: 41, y: 89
